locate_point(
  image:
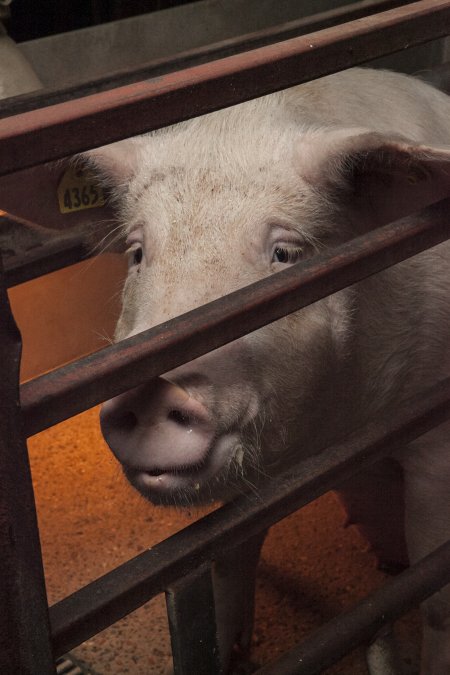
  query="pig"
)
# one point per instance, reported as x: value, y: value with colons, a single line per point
x: 215, y: 203
x: 16, y: 73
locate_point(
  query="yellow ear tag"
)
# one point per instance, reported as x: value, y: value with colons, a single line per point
x: 78, y: 189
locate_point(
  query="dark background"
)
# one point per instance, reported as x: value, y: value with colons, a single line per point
x: 32, y: 19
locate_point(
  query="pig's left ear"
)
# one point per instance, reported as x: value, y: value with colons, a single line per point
x: 382, y: 178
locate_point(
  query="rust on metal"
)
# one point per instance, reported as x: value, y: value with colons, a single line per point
x: 32, y: 194
x: 71, y: 389
x: 74, y: 126
x: 196, y: 56
x: 60, y: 130
x: 121, y: 591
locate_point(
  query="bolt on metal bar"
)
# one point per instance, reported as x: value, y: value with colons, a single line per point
x: 121, y: 591
x: 73, y: 388
x: 199, y: 55
x: 74, y: 126
x: 345, y: 632
x: 24, y: 625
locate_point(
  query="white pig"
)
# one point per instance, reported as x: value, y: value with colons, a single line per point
x: 218, y: 202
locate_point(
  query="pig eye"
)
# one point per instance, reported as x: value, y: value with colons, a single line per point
x: 135, y: 256
x: 287, y: 255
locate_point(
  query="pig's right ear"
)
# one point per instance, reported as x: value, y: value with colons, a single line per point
x: 374, y: 178
x: 114, y: 164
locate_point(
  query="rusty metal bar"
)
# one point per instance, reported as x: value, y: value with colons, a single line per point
x: 348, y: 630
x: 71, y: 389
x: 24, y: 626
x: 197, y: 56
x: 68, y: 128
x: 109, y: 598
x: 104, y: 601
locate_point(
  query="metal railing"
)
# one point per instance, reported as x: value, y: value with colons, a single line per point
x: 27, y: 645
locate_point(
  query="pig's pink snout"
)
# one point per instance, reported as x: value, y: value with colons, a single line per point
x: 158, y: 428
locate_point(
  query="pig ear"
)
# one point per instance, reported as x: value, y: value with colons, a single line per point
x: 115, y: 164
x: 114, y: 167
x: 382, y: 178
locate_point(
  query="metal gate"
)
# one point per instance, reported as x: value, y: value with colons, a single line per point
x: 31, y: 635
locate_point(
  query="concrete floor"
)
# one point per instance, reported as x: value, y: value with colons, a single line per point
x: 91, y: 521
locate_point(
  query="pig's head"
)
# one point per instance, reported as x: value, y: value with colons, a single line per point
x: 212, y: 205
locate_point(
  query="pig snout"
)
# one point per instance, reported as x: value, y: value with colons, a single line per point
x: 161, y: 435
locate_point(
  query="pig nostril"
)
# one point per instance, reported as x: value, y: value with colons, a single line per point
x: 180, y: 418
x: 127, y: 421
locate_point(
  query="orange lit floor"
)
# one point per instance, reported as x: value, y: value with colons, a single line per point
x: 91, y: 521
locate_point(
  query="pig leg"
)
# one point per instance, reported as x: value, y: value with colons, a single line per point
x: 427, y: 503
x: 234, y: 576
x: 382, y: 654
x: 374, y: 502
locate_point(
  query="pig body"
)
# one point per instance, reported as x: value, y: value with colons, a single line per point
x: 216, y: 203
x: 16, y: 74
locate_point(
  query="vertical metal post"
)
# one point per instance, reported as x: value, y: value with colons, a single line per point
x: 25, y: 647
x: 192, y: 622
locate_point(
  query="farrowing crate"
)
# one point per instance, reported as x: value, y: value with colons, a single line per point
x: 31, y: 635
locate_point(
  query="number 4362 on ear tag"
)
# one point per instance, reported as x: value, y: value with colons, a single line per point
x: 78, y: 190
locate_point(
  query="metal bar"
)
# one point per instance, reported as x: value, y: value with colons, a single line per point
x: 106, y: 600
x: 68, y: 128
x: 67, y: 249
x: 31, y: 195
x: 197, y: 56
x: 75, y: 387
x: 24, y: 626
x: 345, y: 632
x: 192, y: 622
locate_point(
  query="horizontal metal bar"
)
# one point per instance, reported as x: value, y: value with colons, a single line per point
x: 68, y: 128
x: 199, y: 55
x: 348, y: 630
x: 84, y: 383
x: 106, y: 600
x: 65, y: 250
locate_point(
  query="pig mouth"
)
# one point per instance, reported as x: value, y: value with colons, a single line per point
x: 193, y: 469
x: 184, y: 483
x: 176, y: 470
